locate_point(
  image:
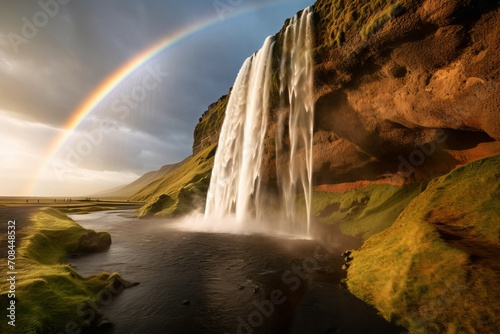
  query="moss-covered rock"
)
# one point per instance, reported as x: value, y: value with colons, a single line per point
x: 92, y: 242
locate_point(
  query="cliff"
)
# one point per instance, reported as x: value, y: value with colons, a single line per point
x: 406, y: 75
x: 404, y: 90
x: 207, y: 131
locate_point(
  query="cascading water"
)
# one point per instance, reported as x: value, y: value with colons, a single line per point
x: 235, y: 186
x: 296, y: 91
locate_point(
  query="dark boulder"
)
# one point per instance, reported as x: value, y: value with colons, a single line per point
x: 92, y: 242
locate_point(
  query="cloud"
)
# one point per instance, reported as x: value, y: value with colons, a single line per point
x: 23, y: 143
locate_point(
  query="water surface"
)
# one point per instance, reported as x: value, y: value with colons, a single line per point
x: 196, y: 282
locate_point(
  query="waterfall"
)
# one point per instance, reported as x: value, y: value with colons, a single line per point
x: 296, y: 91
x: 238, y: 159
x: 235, y: 186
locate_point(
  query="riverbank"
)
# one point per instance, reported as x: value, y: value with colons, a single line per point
x: 43, y: 294
x: 69, y: 205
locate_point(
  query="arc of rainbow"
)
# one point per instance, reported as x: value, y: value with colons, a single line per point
x: 120, y: 75
x: 116, y: 78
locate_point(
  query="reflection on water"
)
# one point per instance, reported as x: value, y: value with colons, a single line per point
x: 199, y: 282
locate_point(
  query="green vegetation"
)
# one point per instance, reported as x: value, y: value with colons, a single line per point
x: 419, y: 277
x: 366, y: 211
x: 338, y: 17
x: 378, y: 20
x: 182, y: 190
x: 470, y: 198
x: 48, y: 292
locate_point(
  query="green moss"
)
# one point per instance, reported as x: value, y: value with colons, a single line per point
x: 182, y: 190
x: 378, y: 20
x: 366, y: 211
x: 338, y: 17
x: 49, y: 292
x: 416, y: 278
x: 470, y: 197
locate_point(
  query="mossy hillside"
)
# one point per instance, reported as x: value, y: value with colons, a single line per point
x: 365, y: 211
x: 469, y: 198
x: 49, y: 292
x: 417, y: 278
x: 182, y: 190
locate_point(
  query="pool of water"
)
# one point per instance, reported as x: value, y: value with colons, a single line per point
x: 199, y: 282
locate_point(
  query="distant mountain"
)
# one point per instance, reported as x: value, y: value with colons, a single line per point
x: 133, y: 188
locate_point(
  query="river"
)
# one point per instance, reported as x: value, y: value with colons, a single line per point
x: 198, y: 282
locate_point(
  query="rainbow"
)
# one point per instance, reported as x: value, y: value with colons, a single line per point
x: 115, y: 79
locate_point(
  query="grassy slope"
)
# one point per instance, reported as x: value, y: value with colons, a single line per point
x: 180, y: 191
x: 419, y: 280
x: 48, y: 292
x: 365, y: 211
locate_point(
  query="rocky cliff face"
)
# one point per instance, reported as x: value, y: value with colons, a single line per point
x: 405, y: 90
x: 428, y: 75
x: 207, y: 131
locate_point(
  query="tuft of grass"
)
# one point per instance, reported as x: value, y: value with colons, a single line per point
x: 181, y: 191
x: 49, y: 292
x: 419, y: 279
x: 366, y: 211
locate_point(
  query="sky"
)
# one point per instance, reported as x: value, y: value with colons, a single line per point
x: 54, y: 54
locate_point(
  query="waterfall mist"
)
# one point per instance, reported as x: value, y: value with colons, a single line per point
x: 236, y: 188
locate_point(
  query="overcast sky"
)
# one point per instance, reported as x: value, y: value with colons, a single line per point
x: 55, y: 53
